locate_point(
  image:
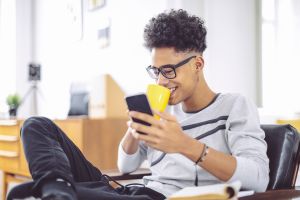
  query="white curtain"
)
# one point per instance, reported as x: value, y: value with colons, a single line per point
x: 7, y: 51
x: 280, y: 55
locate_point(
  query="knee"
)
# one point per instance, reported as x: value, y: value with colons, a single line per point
x: 33, y: 124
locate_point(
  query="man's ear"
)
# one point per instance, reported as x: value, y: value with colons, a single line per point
x: 199, y: 63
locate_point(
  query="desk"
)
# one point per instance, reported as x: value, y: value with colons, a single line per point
x: 274, y: 195
x: 293, y: 122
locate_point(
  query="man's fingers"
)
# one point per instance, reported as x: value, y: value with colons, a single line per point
x: 143, y: 128
x: 144, y: 137
x: 165, y: 115
x: 144, y: 117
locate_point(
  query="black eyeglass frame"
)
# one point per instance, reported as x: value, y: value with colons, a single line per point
x: 158, y: 70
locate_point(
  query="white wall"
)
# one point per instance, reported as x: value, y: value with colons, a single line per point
x: 24, y: 50
x: 7, y: 52
x: 232, y: 57
x: 231, y: 54
x: 280, y: 52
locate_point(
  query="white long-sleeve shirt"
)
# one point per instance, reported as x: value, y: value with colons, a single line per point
x: 229, y: 124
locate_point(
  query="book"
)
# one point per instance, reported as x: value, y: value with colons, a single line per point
x: 216, y: 191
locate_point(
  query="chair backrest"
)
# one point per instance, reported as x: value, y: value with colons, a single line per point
x: 283, y: 152
x: 79, y: 101
x: 79, y: 104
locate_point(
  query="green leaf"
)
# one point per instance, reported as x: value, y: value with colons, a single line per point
x: 13, y: 100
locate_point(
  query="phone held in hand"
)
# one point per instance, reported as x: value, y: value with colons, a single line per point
x: 139, y: 103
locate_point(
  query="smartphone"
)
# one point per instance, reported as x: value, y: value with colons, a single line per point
x: 139, y: 103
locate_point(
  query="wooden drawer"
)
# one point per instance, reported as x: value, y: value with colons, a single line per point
x: 9, y: 152
x: 9, y: 160
x: 9, y: 127
x: 9, y: 142
x: 10, y: 130
x: 9, y: 145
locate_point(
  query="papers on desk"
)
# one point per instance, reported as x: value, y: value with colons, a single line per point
x: 217, y: 191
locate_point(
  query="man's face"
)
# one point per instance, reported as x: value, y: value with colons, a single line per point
x: 183, y: 86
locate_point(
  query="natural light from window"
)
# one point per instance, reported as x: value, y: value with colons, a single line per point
x: 7, y: 50
x: 280, y: 52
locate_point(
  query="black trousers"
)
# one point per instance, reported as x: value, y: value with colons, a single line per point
x: 51, y: 154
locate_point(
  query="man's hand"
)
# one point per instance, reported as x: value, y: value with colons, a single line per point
x: 165, y: 134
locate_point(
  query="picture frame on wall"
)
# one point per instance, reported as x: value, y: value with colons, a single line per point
x: 95, y: 4
x: 103, y: 32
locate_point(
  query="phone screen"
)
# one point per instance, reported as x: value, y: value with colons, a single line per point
x: 139, y: 103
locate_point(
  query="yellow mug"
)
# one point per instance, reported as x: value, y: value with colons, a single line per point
x: 158, y: 97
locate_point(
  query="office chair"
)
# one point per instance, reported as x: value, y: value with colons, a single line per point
x: 79, y: 99
x: 283, y: 152
x: 79, y: 104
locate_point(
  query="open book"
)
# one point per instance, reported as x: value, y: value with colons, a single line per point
x: 217, y: 191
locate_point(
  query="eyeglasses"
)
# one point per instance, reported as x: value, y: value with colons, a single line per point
x: 167, y: 71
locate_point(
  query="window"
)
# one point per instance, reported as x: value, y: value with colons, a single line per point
x: 280, y: 55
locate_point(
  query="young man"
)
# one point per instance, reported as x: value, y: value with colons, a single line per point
x: 220, y: 133
x: 203, y: 138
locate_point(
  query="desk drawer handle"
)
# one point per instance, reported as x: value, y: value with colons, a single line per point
x: 8, y: 138
x: 8, y: 154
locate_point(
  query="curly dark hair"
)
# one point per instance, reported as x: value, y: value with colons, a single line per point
x: 176, y: 29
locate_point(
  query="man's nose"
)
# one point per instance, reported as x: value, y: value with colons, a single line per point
x: 161, y: 80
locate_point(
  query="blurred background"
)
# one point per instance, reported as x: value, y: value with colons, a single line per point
x: 51, y: 48
x: 252, y: 48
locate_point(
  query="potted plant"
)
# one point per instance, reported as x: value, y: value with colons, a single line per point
x: 13, y: 101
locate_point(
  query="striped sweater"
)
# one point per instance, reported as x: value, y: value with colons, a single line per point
x: 229, y: 124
